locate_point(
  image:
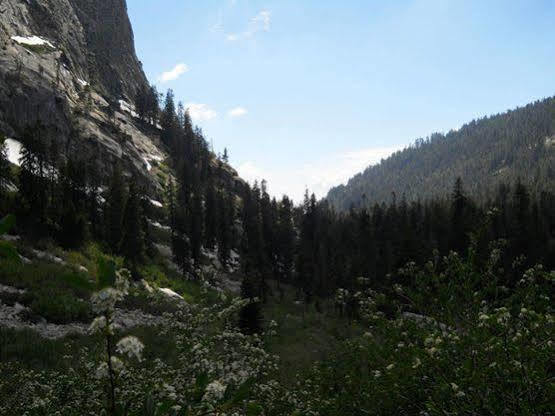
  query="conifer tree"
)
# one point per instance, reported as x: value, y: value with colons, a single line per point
x: 5, y: 172
x: 132, y: 245
x: 250, y: 316
x: 152, y: 105
x: 306, y: 259
x: 196, y: 220
x: 115, y: 207
x: 141, y: 102
x: 181, y: 244
x: 32, y: 178
x: 168, y: 121
x: 72, y: 230
x: 210, y: 215
x: 286, y: 240
x: 226, y: 223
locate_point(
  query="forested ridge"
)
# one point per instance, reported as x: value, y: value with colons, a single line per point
x: 503, y: 148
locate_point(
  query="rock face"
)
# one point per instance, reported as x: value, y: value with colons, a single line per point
x: 95, y: 36
x: 71, y: 65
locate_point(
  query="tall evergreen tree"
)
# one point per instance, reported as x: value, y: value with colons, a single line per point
x: 211, y: 215
x: 226, y: 223
x: 168, y: 121
x: 33, y: 180
x: 250, y: 316
x: 286, y: 241
x: 115, y: 208
x: 5, y: 171
x: 132, y: 245
x: 459, y: 217
x: 72, y: 230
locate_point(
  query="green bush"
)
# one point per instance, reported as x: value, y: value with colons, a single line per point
x: 60, y: 308
x: 54, y: 292
x: 451, y: 348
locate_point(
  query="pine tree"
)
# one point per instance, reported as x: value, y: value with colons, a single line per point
x: 152, y: 105
x: 459, y: 208
x: 196, y: 227
x: 181, y: 244
x: 132, y: 245
x: 286, y: 241
x: 115, y: 207
x: 226, y: 222
x: 5, y: 171
x: 168, y: 121
x: 250, y: 316
x: 141, y: 102
x: 33, y: 186
x: 210, y: 215
x: 306, y: 260
x: 72, y: 230
x: 522, y: 219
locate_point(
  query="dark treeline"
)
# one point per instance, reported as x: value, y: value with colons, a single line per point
x: 201, y: 198
x: 311, y: 247
x: 325, y: 250
x: 61, y: 197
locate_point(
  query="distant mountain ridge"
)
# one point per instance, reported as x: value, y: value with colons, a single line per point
x: 497, y: 149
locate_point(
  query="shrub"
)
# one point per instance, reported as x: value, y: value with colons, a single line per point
x: 60, y: 308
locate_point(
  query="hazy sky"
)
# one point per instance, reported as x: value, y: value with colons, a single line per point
x: 306, y: 93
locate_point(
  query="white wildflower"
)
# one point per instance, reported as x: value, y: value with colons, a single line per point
x: 105, y: 300
x: 130, y: 346
x: 102, y: 371
x: 98, y: 324
x: 417, y: 363
x: 117, y: 364
x: 483, y: 317
x: 214, y: 391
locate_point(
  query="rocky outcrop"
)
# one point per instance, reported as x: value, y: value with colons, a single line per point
x: 71, y: 65
x: 95, y: 38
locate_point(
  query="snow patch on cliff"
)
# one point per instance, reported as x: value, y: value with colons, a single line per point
x: 14, y: 151
x: 32, y: 41
x: 156, y: 203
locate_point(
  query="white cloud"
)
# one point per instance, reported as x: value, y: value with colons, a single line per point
x: 200, y: 112
x: 174, y: 73
x: 319, y: 177
x: 260, y: 22
x: 237, y: 112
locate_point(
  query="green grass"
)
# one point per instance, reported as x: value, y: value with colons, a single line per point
x: 27, y: 349
x: 56, y: 293
x: 162, y: 276
x: 35, y: 352
x: 304, y: 334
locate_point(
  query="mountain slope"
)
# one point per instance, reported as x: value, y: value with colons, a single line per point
x: 71, y: 66
x: 501, y: 148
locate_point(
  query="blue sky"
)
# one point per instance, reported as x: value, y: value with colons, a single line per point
x: 306, y: 93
